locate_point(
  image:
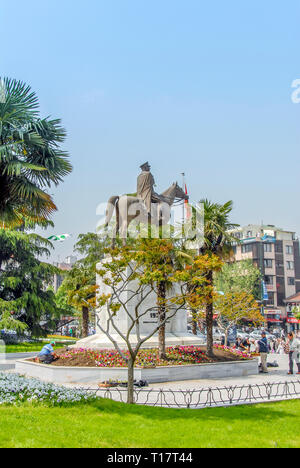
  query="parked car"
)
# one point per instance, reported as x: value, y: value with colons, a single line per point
x: 218, y: 335
x: 202, y: 337
x: 255, y: 336
x: 243, y: 335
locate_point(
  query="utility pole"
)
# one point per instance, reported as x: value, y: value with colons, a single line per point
x: 183, y: 205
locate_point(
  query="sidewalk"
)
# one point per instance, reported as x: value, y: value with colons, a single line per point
x: 8, y: 360
x: 196, y: 394
x: 209, y: 392
x: 278, y: 374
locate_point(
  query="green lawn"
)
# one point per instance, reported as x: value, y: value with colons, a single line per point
x: 115, y: 425
x: 31, y: 347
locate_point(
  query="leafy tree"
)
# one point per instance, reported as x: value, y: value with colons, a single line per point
x: 31, y: 159
x: 217, y: 240
x: 61, y: 299
x: 201, y: 290
x: 159, y: 256
x: 24, y: 299
x: 296, y: 312
x: 240, y: 276
x: 132, y: 274
x: 234, y: 307
x: 92, y: 247
x: 79, y: 286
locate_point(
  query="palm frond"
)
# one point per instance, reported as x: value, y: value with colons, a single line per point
x: 30, y: 156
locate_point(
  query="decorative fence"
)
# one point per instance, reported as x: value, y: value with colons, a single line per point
x: 207, y: 397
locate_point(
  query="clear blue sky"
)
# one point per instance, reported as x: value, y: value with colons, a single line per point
x: 190, y: 85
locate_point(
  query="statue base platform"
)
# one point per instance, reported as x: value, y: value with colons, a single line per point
x: 101, y: 341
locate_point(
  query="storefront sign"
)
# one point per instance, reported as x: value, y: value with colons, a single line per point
x: 272, y: 312
x: 292, y: 320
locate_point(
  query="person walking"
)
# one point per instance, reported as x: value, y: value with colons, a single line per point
x: 280, y: 346
x: 263, y: 349
x: 294, y: 353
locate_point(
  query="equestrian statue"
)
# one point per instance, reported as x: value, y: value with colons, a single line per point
x: 146, y: 207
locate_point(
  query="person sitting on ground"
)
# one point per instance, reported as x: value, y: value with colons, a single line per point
x: 263, y: 350
x: 47, y: 355
x: 294, y: 353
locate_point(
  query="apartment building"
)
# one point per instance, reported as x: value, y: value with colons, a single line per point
x: 65, y: 266
x: 276, y: 253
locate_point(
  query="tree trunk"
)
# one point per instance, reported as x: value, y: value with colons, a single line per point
x: 162, y: 341
x: 192, y: 289
x: 161, y: 318
x: 85, y: 322
x: 194, y: 325
x: 130, y: 388
x: 210, y: 317
x: 226, y: 338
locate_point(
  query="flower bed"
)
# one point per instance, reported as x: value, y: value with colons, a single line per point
x: 147, y: 358
x: 235, y: 352
x: 15, y: 389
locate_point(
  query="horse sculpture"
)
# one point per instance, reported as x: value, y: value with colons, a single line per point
x: 129, y: 208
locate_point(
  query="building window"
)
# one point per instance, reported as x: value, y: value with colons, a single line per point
x: 268, y: 248
x: 246, y: 248
x: 271, y: 300
x: 269, y: 279
x: 290, y: 265
x: 268, y: 263
x: 280, y: 281
x: 289, y: 250
x: 291, y: 281
x: 278, y: 248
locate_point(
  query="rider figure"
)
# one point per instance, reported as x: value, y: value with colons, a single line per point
x: 145, y: 186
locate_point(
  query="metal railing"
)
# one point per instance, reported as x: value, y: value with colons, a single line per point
x: 206, y: 397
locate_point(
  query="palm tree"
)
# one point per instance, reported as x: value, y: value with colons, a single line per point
x: 31, y: 159
x: 217, y: 241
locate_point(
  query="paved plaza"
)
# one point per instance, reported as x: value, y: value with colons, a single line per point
x: 274, y: 386
x: 278, y: 374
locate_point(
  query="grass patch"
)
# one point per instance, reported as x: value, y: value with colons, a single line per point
x: 31, y: 347
x: 107, y: 424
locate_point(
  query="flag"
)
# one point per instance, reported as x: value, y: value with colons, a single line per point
x: 59, y: 238
x: 187, y: 206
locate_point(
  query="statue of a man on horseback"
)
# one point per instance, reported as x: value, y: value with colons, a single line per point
x: 147, y: 207
x: 145, y: 190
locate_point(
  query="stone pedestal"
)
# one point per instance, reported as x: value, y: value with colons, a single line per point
x: 176, y: 327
